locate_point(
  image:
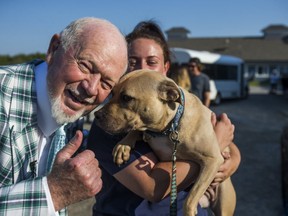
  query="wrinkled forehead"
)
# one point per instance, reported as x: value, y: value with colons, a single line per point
x: 107, y: 49
x: 107, y: 37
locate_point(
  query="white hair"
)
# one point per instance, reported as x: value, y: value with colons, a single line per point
x: 70, y: 36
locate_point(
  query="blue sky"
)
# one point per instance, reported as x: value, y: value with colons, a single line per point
x: 27, y: 25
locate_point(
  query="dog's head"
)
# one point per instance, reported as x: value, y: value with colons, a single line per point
x: 141, y: 100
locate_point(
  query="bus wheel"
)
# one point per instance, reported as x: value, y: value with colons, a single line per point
x: 218, y: 99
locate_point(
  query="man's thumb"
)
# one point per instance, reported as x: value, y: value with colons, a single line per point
x: 70, y: 148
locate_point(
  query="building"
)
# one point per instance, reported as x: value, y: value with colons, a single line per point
x: 261, y: 54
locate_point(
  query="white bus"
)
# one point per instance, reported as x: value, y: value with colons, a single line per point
x: 225, y: 72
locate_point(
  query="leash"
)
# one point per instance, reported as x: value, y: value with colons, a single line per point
x: 173, y: 136
x: 173, y: 195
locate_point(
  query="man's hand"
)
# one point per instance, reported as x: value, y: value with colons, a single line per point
x: 74, y: 179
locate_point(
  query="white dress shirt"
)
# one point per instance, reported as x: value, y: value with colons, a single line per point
x: 47, y: 126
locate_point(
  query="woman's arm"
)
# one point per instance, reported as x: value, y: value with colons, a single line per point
x: 151, y: 179
x: 231, y: 160
x: 229, y: 166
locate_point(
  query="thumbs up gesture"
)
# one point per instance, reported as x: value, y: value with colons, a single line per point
x: 74, y: 179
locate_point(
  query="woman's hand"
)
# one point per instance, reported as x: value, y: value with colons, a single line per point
x: 224, y: 130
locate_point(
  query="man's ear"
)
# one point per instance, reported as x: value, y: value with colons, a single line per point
x: 53, y: 46
x: 169, y: 91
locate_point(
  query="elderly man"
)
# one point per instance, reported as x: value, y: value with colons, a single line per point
x: 39, y: 101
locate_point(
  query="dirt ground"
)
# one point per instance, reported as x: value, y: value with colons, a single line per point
x: 259, y: 121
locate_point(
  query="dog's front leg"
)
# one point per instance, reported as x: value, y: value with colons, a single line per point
x: 121, y: 152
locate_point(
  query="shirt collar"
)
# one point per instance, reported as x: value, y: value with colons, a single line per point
x: 46, y: 123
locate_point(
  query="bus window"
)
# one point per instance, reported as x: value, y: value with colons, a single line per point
x: 221, y: 72
x: 224, y: 70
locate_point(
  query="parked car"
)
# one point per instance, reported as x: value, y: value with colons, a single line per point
x: 215, y: 96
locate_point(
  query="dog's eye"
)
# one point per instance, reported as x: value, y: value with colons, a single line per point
x: 126, y: 98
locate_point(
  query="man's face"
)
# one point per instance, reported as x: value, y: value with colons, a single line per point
x: 82, y: 77
x: 192, y: 68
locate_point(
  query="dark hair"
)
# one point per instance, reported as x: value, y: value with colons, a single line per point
x: 150, y: 30
x: 197, y: 62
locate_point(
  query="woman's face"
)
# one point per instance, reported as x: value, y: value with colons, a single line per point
x: 145, y: 53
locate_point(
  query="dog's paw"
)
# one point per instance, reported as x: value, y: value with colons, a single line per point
x: 204, y: 201
x: 226, y: 155
x: 121, y: 154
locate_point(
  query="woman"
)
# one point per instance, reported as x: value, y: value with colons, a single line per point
x: 180, y: 75
x: 142, y: 185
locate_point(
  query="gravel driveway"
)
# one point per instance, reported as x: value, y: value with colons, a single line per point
x: 259, y: 121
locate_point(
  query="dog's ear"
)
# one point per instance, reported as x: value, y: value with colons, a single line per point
x: 169, y: 91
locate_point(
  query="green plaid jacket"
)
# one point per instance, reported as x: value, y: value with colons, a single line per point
x: 21, y: 191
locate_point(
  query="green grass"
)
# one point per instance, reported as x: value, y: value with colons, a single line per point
x: 259, y: 83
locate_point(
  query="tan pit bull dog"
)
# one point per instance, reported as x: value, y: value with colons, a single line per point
x: 148, y: 101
